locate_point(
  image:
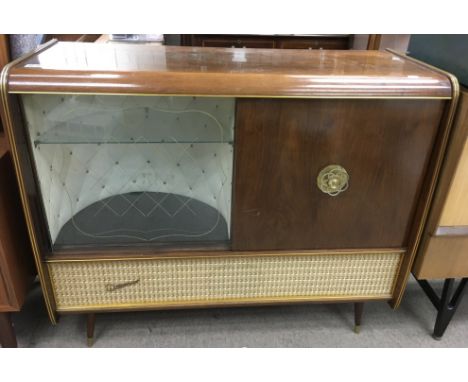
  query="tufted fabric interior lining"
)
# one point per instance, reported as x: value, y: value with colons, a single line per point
x: 91, y: 149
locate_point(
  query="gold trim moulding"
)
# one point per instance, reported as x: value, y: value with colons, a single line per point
x: 224, y: 303
x: 220, y: 254
x: 230, y: 96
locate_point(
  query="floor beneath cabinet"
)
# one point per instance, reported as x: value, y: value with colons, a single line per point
x: 314, y: 325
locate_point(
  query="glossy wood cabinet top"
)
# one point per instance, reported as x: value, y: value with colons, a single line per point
x: 144, y: 69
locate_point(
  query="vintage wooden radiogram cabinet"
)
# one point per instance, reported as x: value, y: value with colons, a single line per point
x: 176, y: 177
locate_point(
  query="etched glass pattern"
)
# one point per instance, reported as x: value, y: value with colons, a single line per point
x: 117, y: 170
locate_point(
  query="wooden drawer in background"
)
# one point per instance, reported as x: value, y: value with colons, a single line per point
x: 337, y: 43
x: 237, y: 43
x: 268, y: 41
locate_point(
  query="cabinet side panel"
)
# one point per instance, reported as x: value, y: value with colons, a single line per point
x: 455, y: 211
x: 281, y: 147
x: 443, y: 257
x: 16, y: 262
x: 449, y: 207
x: 29, y: 192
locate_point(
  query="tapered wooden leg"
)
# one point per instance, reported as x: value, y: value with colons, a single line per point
x: 91, y: 320
x: 358, y: 309
x: 7, y: 332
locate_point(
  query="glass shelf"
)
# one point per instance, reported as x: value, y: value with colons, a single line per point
x: 130, y: 142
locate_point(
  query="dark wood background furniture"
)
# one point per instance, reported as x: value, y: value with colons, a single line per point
x: 267, y: 41
x: 16, y: 260
x: 444, y: 250
x: 374, y: 41
x: 333, y: 167
x: 443, y: 253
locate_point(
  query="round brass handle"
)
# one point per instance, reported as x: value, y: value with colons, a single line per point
x: 333, y: 180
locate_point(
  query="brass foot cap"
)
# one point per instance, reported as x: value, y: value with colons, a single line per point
x: 357, y: 329
x: 90, y: 341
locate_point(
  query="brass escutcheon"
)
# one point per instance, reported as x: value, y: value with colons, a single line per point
x: 333, y: 180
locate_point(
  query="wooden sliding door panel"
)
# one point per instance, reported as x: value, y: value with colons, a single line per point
x: 281, y: 147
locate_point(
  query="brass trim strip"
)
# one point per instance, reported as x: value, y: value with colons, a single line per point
x: 220, y: 303
x: 229, y: 254
x: 9, y: 130
x: 229, y: 96
x: 448, y: 127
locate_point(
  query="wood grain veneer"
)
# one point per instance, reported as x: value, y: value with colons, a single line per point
x: 16, y: 262
x: 134, y: 69
x: 374, y: 41
x: 392, y: 147
x: 455, y: 211
x: 281, y: 146
x: 443, y: 257
x: 28, y: 192
x: 443, y: 252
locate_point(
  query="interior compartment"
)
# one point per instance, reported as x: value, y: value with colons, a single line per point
x: 133, y: 169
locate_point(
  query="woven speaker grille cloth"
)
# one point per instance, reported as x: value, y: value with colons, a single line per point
x: 81, y: 284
